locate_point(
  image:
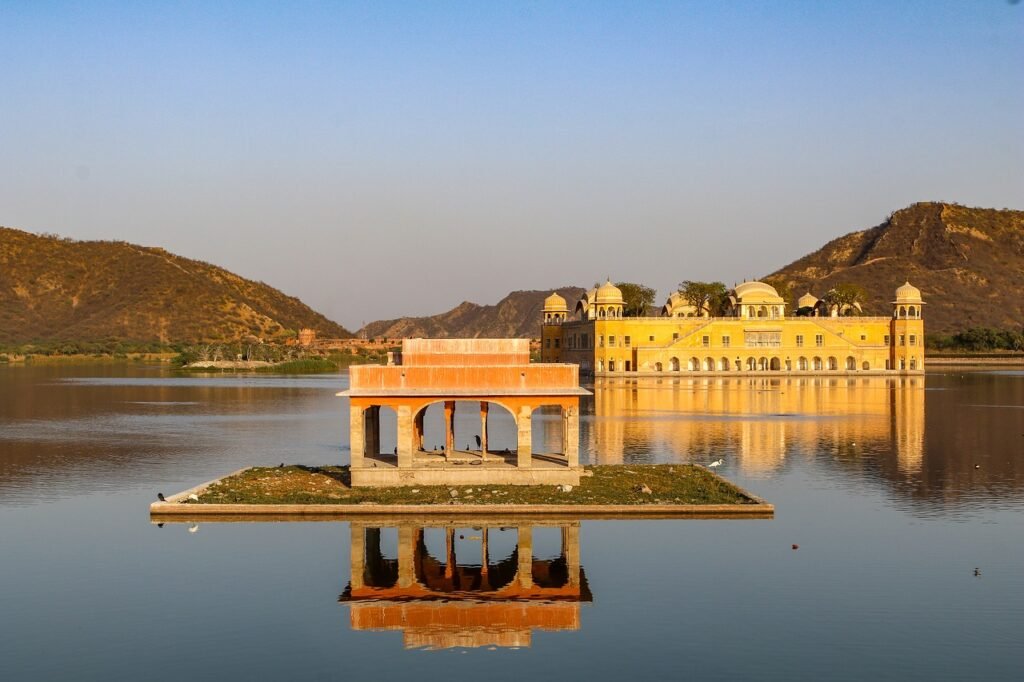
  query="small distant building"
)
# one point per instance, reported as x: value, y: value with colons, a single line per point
x: 307, y: 337
x: 485, y: 372
x: 754, y: 334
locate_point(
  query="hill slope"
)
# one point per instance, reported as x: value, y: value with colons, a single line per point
x: 516, y: 315
x: 54, y: 289
x: 968, y: 263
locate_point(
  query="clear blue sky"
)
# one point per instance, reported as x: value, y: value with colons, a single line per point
x: 381, y: 159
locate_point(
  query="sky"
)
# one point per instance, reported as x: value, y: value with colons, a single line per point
x: 383, y: 159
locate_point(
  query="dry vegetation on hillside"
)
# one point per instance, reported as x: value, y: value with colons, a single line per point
x: 54, y: 289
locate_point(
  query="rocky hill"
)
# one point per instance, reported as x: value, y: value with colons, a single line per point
x: 54, y: 289
x: 968, y: 263
x: 516, y: 315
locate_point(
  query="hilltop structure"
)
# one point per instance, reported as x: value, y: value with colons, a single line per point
x: 484, y: 372
x: 754, y: 335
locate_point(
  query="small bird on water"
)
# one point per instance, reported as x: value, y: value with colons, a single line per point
x: 716, y: 463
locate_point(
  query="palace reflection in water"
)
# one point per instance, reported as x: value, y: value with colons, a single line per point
x: 759, y: 421
x: 446, y: 586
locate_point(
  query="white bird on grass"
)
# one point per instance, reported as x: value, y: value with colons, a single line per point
x: 716, y: 463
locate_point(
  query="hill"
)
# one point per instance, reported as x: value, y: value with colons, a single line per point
x: 54, y: 289
x: 516, y: 315
x: 968, y: 263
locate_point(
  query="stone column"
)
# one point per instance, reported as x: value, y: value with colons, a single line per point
x: 524, y: 451
x: 405, y: 437
x: 571, y: 552
x: 357, y: 555
x: 525, y: 543
x: 483, y: 428
x: 406, y: 555
x: 418, y: 430
x: 571, y: 431
x: 356, y: 436
x: 449, y: 563
x: 449, y: 426
x: 373, y: 431
x: 485, y: 559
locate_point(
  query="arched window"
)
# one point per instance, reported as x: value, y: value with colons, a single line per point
x: 724, y: 365
x: 817, y: 364
x: 866, y: 366
x: 851, y: 363
x: 912, y: 311
x: 903, y: 311
x: 913, y: 363
x: 657, y: 367
x: 776, y: 364
x: 801, y: 364
x: 674, y: 364
x: 833, y: 364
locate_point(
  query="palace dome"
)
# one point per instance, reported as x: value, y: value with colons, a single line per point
x: 808, y: 300
x: 555, y: 302
x: 757, y: 292
x: 609, y: 293
x: 908, y: 293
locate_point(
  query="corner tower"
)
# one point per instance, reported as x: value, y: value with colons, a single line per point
x: 556, y: 310
x: 906, y: 343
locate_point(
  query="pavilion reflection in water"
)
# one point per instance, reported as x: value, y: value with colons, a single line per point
x: 477, y: 600
x: 759, y: 420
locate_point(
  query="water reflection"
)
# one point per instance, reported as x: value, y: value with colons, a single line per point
x: 487, y: 585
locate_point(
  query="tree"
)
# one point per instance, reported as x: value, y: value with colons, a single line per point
x: 845, y: 299
x: 637, y: 299
x: 707, y: 297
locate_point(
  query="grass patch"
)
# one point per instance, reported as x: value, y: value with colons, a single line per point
x: 609, y: 484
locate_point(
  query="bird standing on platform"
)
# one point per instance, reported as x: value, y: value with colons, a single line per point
x: 477, y: 440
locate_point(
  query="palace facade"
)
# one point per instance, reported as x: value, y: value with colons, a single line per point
x: 756, y: 335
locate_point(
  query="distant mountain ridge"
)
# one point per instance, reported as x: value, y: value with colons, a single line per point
x: 967, y: 262
x: 516, y: 315
x: 55, y: 289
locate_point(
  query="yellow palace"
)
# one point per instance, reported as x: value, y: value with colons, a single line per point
x: 754, y: 336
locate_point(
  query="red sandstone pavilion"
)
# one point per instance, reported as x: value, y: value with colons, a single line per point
x: 485, y: 371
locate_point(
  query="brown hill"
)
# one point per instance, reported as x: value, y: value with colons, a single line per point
x: 54, y: 289
x: 968, y: 263
x: 516, y: 315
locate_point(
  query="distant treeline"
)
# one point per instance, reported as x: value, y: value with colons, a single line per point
x: 112, y: 347
x: 977, y: 339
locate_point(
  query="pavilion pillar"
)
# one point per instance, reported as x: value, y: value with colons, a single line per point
x: 571, y: 435
x: 449, y: 563
x: 417, y: 431
x: 483, y: 428
x: 485, y: 560
x: 405, y: 437
x: 449, y: 426
x: 406, y: 555
x: 373, y: 431
x: 525, y: 552
x: 357, y: 555
x: 571, y: 552
x: 356, y: 435
x: 524, y: 451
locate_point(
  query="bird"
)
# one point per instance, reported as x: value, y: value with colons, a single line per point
x: 977, y: 466
x: 160, y: 496
x: 160, y: 525
x: 281, y: 465
x: 977, y: 572
x: 796, y: 546
x: 396, y: 449
x: 716, y: 463
x: 193, y: 528
x: 477, y: 440
x: 193, y: 497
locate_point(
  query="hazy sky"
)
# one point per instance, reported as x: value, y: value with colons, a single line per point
x: 381, y: 159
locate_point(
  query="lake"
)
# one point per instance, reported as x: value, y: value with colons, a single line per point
x: 905, y: 498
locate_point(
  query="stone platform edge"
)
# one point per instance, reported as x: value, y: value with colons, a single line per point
x: 173, y: 507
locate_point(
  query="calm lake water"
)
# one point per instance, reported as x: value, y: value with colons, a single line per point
x: 906, y: 498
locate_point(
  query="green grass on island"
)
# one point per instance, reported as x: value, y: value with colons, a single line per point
x: 605, y: 485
